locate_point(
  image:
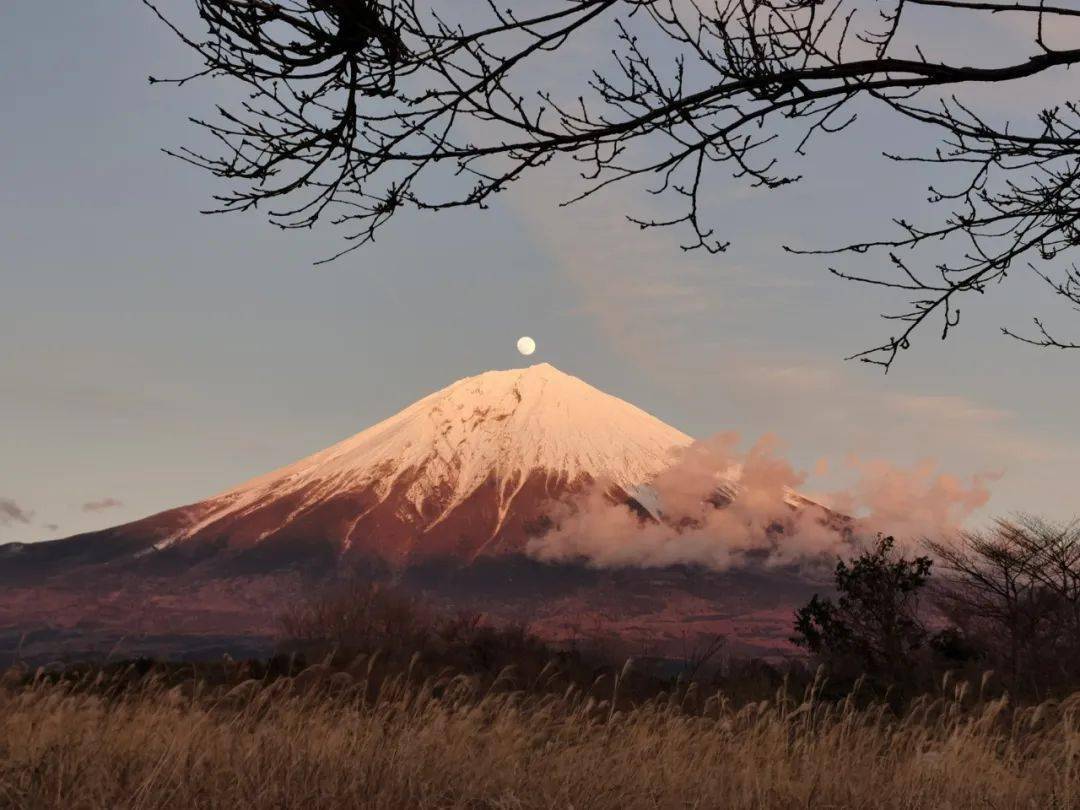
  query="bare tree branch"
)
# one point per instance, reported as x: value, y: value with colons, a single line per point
x: 358, y: 109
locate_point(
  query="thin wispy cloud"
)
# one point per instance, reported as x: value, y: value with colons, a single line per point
x: 11, y: 513
x: 102, y: 505
x: 948, y: 408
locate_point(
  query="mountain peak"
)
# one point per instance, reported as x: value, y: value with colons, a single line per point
x: 537, y: 371
x: 548, y: 371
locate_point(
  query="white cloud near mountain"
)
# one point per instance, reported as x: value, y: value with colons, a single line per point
x: 760, y: 526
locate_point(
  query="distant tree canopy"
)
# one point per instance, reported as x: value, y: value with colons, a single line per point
x: 358, y: 109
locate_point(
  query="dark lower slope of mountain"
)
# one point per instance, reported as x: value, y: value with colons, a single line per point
x: 326, y: 538
x: 207, y: 611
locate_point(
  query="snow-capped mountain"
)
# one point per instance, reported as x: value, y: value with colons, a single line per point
x: 475, y: 469
x: 468, y: 470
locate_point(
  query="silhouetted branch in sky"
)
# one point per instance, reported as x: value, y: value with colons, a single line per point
x: 357, y: 109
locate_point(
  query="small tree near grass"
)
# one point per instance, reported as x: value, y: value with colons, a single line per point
x: 872, y: 627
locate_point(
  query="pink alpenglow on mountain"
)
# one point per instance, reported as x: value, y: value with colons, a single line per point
x: 473, y: 470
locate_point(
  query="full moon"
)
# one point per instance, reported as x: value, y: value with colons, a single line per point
x: 526, y: 345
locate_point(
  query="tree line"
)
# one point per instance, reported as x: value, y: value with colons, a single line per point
x: 1006, y: 600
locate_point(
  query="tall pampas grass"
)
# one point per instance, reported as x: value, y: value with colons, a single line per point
x: 361, y: 737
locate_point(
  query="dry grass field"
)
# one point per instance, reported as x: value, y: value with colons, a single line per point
x: 344, y: 739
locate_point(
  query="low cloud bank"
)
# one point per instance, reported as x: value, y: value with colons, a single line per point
x: 724, y: 508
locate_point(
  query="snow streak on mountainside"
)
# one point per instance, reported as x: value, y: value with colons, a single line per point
x: 451, y: 474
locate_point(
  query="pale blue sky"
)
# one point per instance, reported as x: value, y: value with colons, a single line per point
x: 155, y: 356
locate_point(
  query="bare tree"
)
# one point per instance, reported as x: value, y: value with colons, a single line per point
x: 357, y: 109
x: 1015, y: 591
x: 357, y: 615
